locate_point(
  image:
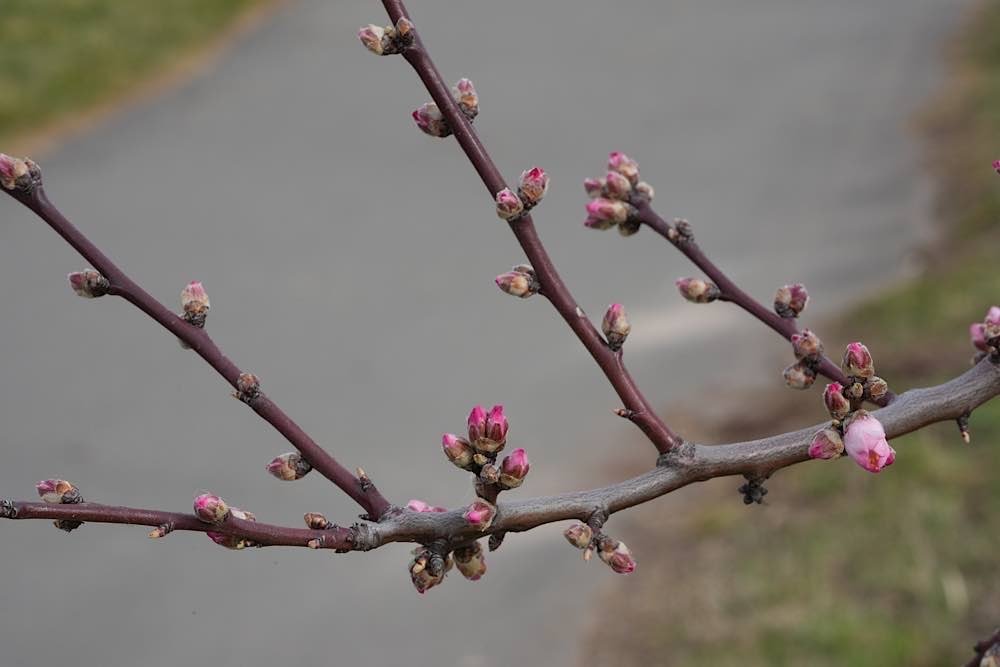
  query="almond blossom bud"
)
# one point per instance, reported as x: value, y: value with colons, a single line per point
x: 996, y: 166
x: 616, y: 326
x: 316, y: 521
x: 422, y: 577
x: 471, y: 561
x: 496, y: 428
x: 514, y: 469
x: 791, y: 300
x: 624, y: 165
x: 417, y: 506
x: 799, y: 376
x: 430, y: 120
x: 88, y: 283
x: 865, y: 442
x: 858, y: 361
x: 372, y: 37
x: 594, y: 187
x: 617, y: 186
x: 806, y: 345
x: 477, y: 423
x: 696, y: 290
x: 15, y: 172
x: 991, y: 325
x: 838, y: 405
x: 211, y: 508
x: 247, y: 387
x: 533, y: 185
x: 289, y: 466
x: 645, y: 190
x: 977, y: 333
x: 480, y: 514
x: 616, y: 555
x: 603, y: 213
x: 877, y: 388
x: 194, y: 301
x: 519, y: 281
x: 579, y: 535
x: 58, y: 492
x: 826, y: 444
x: 468, y: 101
x: 234, y: 542
x: 509, y: 206
x: 457, y: 450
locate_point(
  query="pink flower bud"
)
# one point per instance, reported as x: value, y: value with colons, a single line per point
x: 616, y: 555
x: 858, y: 361
x: 799, y: 376
x: 372, y: 36
x: 617, y: 186
x: 465, y: 95
x: 316, y: 521
x: 519, y: 281
x: 88, y: 283
x: 609, y: 211
x: 496, y: 426
x: 791, y: 300
x: 826, y: 444
x: 471, y: 561
x: 616, y: 326
x: 876, y: 388
x: 417, y: 506
x: 247, y: 387
x: 533, y: 185
x: 806, y: 345
x: 579, y: 535
x: 594, y: 187
x: 195, y: 303
x: 624, y: 165
x: 477, y: 423
x: 509, y: 206
x: 58, y: 492
x: 836, y: 403
x: 996, y: 166
x: 210, y: 508
x: 289, y: 466
x: 13, y: 171
x: 430, y: 120
x: 457, y: 450
x: 977, y: 332
x: 864, y: 441
x: 991, y: 324
x: 233, y: 541
x: 696, y: 290
x: 480, y: 514
x: 645, y: 191
x: 514, y: 469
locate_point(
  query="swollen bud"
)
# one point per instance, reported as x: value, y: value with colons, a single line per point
x: 430, y: 120
x: 247, y: 387
x: 210, y: 508
x: 388, y: 40
x: 616, y: 555
x: 234, y: 542
x: 424, y: 577
x: 606, y: 213
x: 877, y: 388
x: 464, y: 93
x: 579, y: 535
x: 514, y: 469
x: 488, y: 431
x: 195, y: 303
x: 826, y: 444
x: 617, y: 186
x: 480, y: 514
x: 858, y: 361
x: 533, y: 186
x: 806, y: 345
x: 519, y: 281
x: 316, y: 521
x: 471, y: 561
x: 372, y: 37
x: 865, y: 442
x: 991, y: 324
x: 799, y: 376
x: 16, y: 173
x: 624, y: 165
x: 457, y: 450
x: 58, y: 492
x: 509, y: 205
x: 645, y: 191
x: 696, y: 290
x: 416, y: 505
x: 836, y: 403
x: 616, y: 326
x: 791, y: 300
x: 88, y: 283
x: 594, y: 187
x: 289, y: 466
x: 977, y: 335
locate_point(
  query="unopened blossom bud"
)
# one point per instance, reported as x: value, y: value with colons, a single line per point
x: 806, y: 345
x: 477, y: 423
x: 616, y: 555
x: 826, y: 444
x: 457, y: 450
x: 645, y: 190
x: 468, y: 101
x: 629, y: 227
x: 58, y: 492
x: 837, y: 404
x: 608, y: 212
x: 858, y: 361
x: 422, y: 577
x: 533, y: 186
x: 877, y: 388
x: 791, y: 300
x: 316, y: 521
x: 247, y: 387
x: 234, y: 542
x: 88, y: 283
x: 865, y: 442
x: 579, y: 535
x: 996, y: 166
x: 420, y: 506
x: 977, y: 334
x: 430, y: 120
x: 991, y: 325
x: 617, y: 186
x: 195, y: 303
x: 697, y: 290
x: 520, y: 282
x: 489, y: 474
x: 624, y: 165
x: 799, y: 376
x: 15, y: 172
x: 289, y: 466
x: 616, y: 326
x: 496, y: 429
x: 480, y: 514
x: 594, y: 187
x: 373, y: 36
x: 210, y: 508
x: 514, y: 469
x: 471, y: 561
x: 509, y: 205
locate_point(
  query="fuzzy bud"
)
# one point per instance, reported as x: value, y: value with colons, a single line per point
x: 858, y: 361
x: 616, y: 555
x: 430, y: 120
x: 697, y: 290
x: 58, y: 492
x: 195, y: 303
x: 593, y: 187
x: 991, y: 324
x: 234, y: 542
x: 211, y: 508
x: 509, y: 205
x: 519, y: 281
x: 806, y: 345
x: 480, y: 514
x: 17, y: 173
x: 645, y: 191
x: 836, y: 403
x: 579, y: 535
x: 977, y: 334
x: 457, y: 450
x: 865, y: 442
x: 316, y: 521
x: 624, y: 165
x: 791, y: 300
x: 605, y: 213
x: 877, y: 388
x: 247, y: 387
x: 88, y: 283
x: 617, y: 186
x: 996, y: 166
x: 514, y: 469
x: 799, y: 376
x: 289, y: 466
x: 372, y: 36
x: 471, y: 561
x: 616, y: 326
x: 465, y: 95
x: 826, y: 444
x: 422, y: 576
x: 533, y: 185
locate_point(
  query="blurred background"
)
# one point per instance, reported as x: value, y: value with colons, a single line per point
x: 257, y: 147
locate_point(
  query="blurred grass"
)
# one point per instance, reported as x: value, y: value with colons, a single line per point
x: 843, y: 567
x: 64, y: 56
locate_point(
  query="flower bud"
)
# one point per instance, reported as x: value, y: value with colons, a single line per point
x: 422, y: 577
x: 420, y: 506
x: 477, y: 423
x: 533, y: 185
x: 514, y: 469
x: 289, y: 466
x: 837, y: 404
x: 616, y: 555
x: 624, y: 165
x: 696, y: 290
x: 489, y: 474
x: 996, y: 166
x: 799, y: 376
x: 404, y: 28
x: 430, y: 120
x: 877, y: 388
x: 977, y: 333
x: 194, y: 302
x: 234, y: 542
x: 608, y: 212
x: 629, y: 227
x: 457, y: 450
x: 791, y: 300
x: 865, y: 442
x: 509, y: 206
x: 465, y: 95
x: 15, y: 172
x: 471, y: 561
x: 991, y: 325
x: 616, y: 326
x: 826, y: 444
x: 316, y: 521
x: 579, y: 535
x: 806, y: 345
x: 594, y: 187
x: 858, y: 361
x: 372, y: 36
x: 211, y: 508
x: 88, y: 283
x: 480, y: 514
x: 617, y: 186
x: 496, y: 430
x: 519, y: 281
x: 247, y: 387
x: 58, y: 492
x: 645, y: 190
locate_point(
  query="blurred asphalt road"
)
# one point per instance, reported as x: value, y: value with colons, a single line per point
x: 350, y: 261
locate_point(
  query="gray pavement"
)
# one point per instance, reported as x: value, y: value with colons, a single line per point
x: 350, y: 262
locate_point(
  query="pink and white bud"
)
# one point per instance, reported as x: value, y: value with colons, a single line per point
x: 617, y: 186
x: 195, y: 303
x: 417, y: 506
x: 799, y: 376
x: 579, y: 535
x: 991, y: 324
x: 210, y: 508
x: 616, y: 326
x: 791, y: 300
x: 464, y: 93
x: 233, y: 541
x: 858, y: 361
x: 471, y: 561
x: 806, y: 345
x: 514, y: 469
x: 533, y: 185
x: 996, y: 166
x: 509, y: 205
x: 247, y: 387
x: 594, y: 187
x: 519, y: 281
x: 480, y: 514
x: 826, y: 444
x: 616, y: 555
x: 607, y: 211
x: 496, y: 427
x: 645, y: 191
x: 88, y: 283
x: 977, y: 334
x: 876, y: 388
x: 58, y: 492
x: 430, y: 120
x: 289, y: 466
x: 697, y: 290
x: 316, y: 521
x: 836, y: 403
x: 865, y: 442
x: 624, y: 165
x: 373, y: 37
x: 458, y: 450
x: 13, y: 170
x: 477, y: 423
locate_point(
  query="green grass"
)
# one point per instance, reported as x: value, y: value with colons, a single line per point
x: 63, y: 56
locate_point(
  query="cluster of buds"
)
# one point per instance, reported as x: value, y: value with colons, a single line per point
x: 615, y: 197
x: 385, y: 41
x: 60, y: 492
x: 697, y: 290
x: 520, y: 281
x: 289, y: 466
x: 429, y: 118
x: 985, y: 335
x: 88, y: 283
x: 808, y: 349
x: 613, y: 553
x: 18, y: 174
x: 791, y: 300
x: 616, y: 326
